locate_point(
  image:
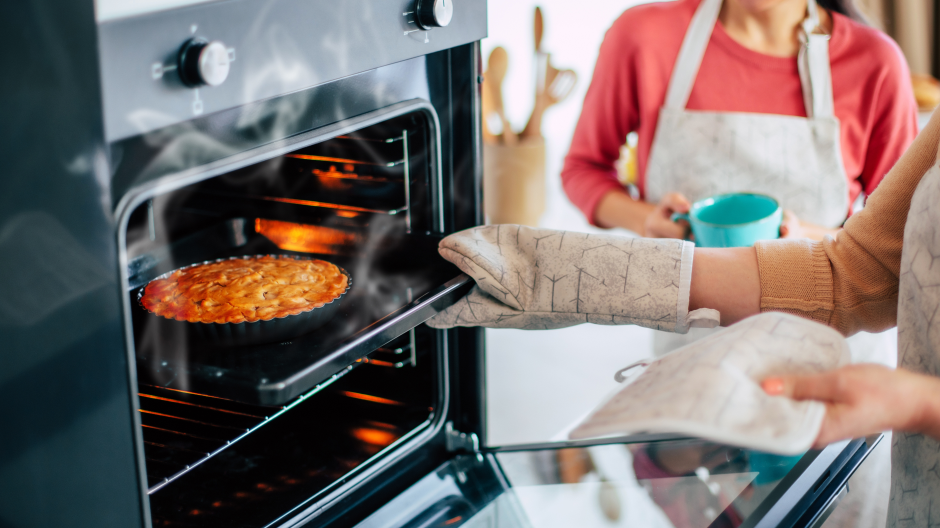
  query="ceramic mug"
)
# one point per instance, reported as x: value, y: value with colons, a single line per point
x: 733, y: 220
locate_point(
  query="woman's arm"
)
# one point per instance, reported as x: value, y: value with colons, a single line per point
x: 727, y: 280
x: 793, y: 227
x: 610, y: 111
x: 865, y: 399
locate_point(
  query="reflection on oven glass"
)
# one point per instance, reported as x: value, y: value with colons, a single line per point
x: 672, y: 484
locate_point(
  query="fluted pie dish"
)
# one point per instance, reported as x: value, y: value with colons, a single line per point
x: 249, y: 299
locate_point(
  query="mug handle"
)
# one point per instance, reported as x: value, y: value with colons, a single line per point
x: 682, y: 216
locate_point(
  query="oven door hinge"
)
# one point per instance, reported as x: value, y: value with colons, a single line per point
x: 457, y: 441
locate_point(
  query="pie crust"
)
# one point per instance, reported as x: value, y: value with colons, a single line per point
x: 247, y: 289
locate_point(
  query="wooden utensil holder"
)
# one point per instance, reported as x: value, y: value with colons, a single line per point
x: 514, y: 182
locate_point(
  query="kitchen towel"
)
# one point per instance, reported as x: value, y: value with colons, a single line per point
x: 711, y: 388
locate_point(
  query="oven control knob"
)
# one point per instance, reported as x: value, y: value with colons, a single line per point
x: 202, y: 63
x: 434, y: 13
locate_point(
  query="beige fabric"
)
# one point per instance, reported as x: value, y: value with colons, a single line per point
x: 850, y: 282
x: 915, y: 458
x: 542, y: 279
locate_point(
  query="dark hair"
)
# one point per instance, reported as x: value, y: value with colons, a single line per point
x: 844, y: 7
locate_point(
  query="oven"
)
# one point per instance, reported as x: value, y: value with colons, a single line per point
x: 189, y: 132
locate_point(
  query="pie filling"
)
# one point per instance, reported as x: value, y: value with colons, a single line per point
x: 244, y: 290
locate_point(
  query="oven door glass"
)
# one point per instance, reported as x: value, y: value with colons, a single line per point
x: 669, y: 484
x: 367, y: 200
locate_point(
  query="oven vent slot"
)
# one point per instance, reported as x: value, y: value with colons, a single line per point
x: 184, y: 429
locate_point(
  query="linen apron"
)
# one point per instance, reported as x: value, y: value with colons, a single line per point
x: 796, y: 160
x: 915, y: 458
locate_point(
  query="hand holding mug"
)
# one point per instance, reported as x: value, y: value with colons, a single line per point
x: 659, y: 223
x: 733, y: 220
x: 793, y: 227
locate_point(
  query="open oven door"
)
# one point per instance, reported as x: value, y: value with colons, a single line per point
x: 659, y: 483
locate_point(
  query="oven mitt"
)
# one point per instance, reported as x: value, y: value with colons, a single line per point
x: 543, y: 279
x: 711, y: 388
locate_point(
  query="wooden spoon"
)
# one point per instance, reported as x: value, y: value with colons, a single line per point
x: 541, y: 59
x: 492, y: 124
x: 496, y: 69
x: 538, y: 29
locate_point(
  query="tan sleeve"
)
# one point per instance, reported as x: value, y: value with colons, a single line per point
x: 850, y: 282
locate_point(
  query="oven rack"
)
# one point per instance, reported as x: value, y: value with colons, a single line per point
x: 393, y: 357
x: 237, y: 418
x: 392, y: 163
x: 183, y: 429
x: 396, y: 287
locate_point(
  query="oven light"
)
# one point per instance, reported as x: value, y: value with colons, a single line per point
x: 374, y: 437
x: 304, y: 238
x: 374, y: 399
x: 330, y: 160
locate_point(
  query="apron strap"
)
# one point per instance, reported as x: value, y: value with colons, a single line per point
x: 812, y: 61
x: 813, y: 64
x: 691, y: 53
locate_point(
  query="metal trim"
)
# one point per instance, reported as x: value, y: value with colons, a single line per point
x: 801, y: 489
x: 564, y: 444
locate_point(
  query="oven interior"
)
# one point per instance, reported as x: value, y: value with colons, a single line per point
x: 246, y: 435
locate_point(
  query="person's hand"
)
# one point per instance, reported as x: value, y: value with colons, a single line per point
x: 793, y: 227
x: 865, y: 399
x: 658, y: 223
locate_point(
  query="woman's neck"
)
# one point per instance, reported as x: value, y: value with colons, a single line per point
x: 770, y: 27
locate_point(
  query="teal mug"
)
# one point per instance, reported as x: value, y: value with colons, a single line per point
x: 733, y: 220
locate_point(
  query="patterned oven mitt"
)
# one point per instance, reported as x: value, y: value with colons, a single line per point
x: 543, y: 279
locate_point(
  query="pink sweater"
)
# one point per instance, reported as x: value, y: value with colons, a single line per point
x: 870, y: 82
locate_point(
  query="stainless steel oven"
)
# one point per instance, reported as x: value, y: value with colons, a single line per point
x: 175, y: 134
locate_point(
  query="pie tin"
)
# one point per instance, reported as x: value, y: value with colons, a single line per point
x: 277, y: 330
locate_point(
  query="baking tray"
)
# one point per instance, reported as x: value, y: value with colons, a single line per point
x: 399, y: 283
x: 275, y: 330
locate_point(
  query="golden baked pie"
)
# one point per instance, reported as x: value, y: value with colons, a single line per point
x: 244, y: 290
